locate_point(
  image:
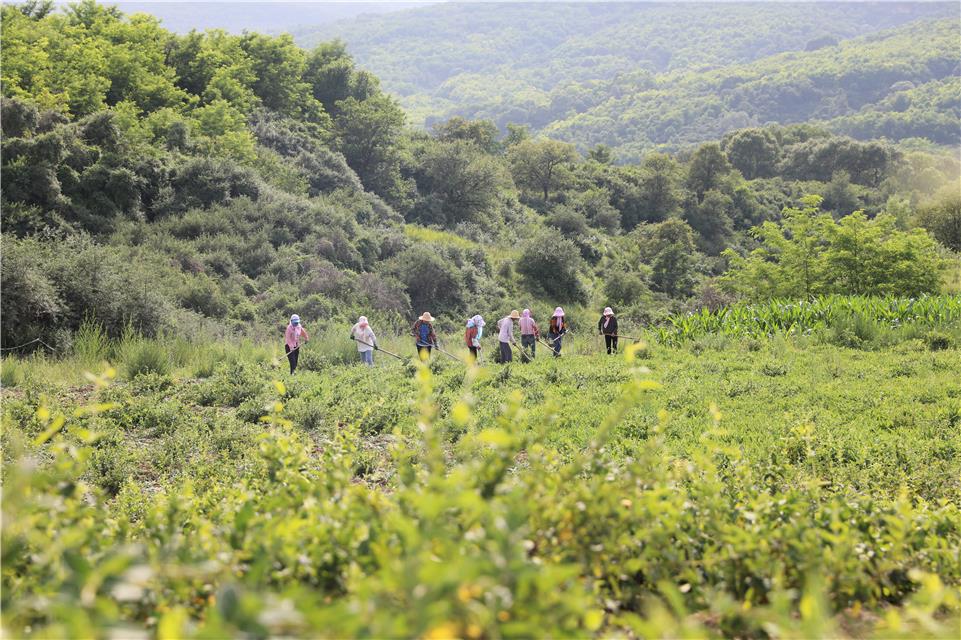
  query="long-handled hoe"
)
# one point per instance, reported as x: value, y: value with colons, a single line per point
x: 376, y: 348
x: 447, y: 353
x: 521, y: 352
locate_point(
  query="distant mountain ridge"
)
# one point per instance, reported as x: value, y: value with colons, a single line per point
x: 584, y: 72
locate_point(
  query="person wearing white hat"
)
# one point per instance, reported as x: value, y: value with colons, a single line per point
x: 607, y: 327
x: 294, y: 337
x: 424, y: 336
x: 366, y: 340
x: 505, y: 336
x: 556, y: 330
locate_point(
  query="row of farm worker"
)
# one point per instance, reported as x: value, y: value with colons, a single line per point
x: 425, y: 339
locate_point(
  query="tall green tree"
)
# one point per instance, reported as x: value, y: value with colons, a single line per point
x: 460, y: 182
x: 943, y: 219
x: 708, y: 167
x: 541, y: 166
x: 369, y: 132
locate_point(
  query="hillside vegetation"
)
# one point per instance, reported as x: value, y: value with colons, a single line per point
x: 638, y: 76
x: 211, y: 184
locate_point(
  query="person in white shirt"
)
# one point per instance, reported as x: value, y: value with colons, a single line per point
x: 363, y: 335
x: 505, y: 327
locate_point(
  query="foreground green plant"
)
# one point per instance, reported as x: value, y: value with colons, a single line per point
x: 464, y: 523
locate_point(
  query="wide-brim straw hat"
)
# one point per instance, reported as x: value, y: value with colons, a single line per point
x: 426, y: 317
x: 515, y: 315
x: 608, y: 311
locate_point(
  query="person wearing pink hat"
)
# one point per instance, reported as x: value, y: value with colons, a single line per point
x: 607, y: 327
x: 366, y: 341
x: 530, y: 332
x: 556, y: 330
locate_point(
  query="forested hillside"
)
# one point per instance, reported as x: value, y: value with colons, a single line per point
x: 169, y: 183
x: 640, y: 76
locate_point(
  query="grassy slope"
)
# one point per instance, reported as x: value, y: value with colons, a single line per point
x: 877, y: 419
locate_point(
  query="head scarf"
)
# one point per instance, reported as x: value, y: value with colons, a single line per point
x: 558, y: 313
x: 295, y: 319
x: 362, y: 321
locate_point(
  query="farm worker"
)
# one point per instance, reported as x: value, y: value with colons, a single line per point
x: 607, y: 327
x: 556, y: 330
x: 294, y: 337
x: 530, y: 332
x: 472, y: 336
x: 424, y: 336
x: 366, y: 340
x: 505, y: 336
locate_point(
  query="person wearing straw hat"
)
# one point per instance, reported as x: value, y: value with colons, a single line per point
x: 530, y: 332
x: 472, y: 336
x: 556, y: 330
x: 424, y: 336
x: 294, y: 337
x: 366, y: 341
x: 607, y: 327
x: 505, y: 327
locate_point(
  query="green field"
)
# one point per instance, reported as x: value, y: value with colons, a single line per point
x: 780, y: 487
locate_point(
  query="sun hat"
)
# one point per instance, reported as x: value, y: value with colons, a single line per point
x: 515, y: 315
x: 295, y: 319
x: 426, y: 317
x: 558, y: 313
x: 362, y: 321
x: 608, y: 311
x: 526, y: 313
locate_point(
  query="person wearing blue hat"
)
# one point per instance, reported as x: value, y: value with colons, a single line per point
x: 294, y: 337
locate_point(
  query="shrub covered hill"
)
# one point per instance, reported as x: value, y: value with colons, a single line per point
x: 212, y: 184
x: 644, y: 76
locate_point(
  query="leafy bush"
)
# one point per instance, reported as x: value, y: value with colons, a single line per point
x: 550, y: 263
x: 938, y: 340
x: 141, y: 357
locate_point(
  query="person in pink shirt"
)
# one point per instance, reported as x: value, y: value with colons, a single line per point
x: 295, y: 336
x: 530, y: 332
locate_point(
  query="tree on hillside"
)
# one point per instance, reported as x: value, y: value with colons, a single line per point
x: 711, y: 219
x: 460, y: 182
x: 943, y: 220
x: 430, y: 280
x: 333, y: 76
x: 707, y: 168
x: 659, y: 186
x: 550, y: 264
x: 808, y: 253
x: 541, y: 165
x: 483, y: 133
x: 753, y: 152
x: 669, y: 249
x: 368, y: 132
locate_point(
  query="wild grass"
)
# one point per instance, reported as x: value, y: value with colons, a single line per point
x: 739, y: 478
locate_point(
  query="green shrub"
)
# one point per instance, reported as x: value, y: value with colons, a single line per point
x: 90, y: 343
x: 145, y: 357
x: 12, y: 372
x: 938, y: 340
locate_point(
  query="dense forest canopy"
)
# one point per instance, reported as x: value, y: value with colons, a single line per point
x: 166, y: 182
x: 638, y: 76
